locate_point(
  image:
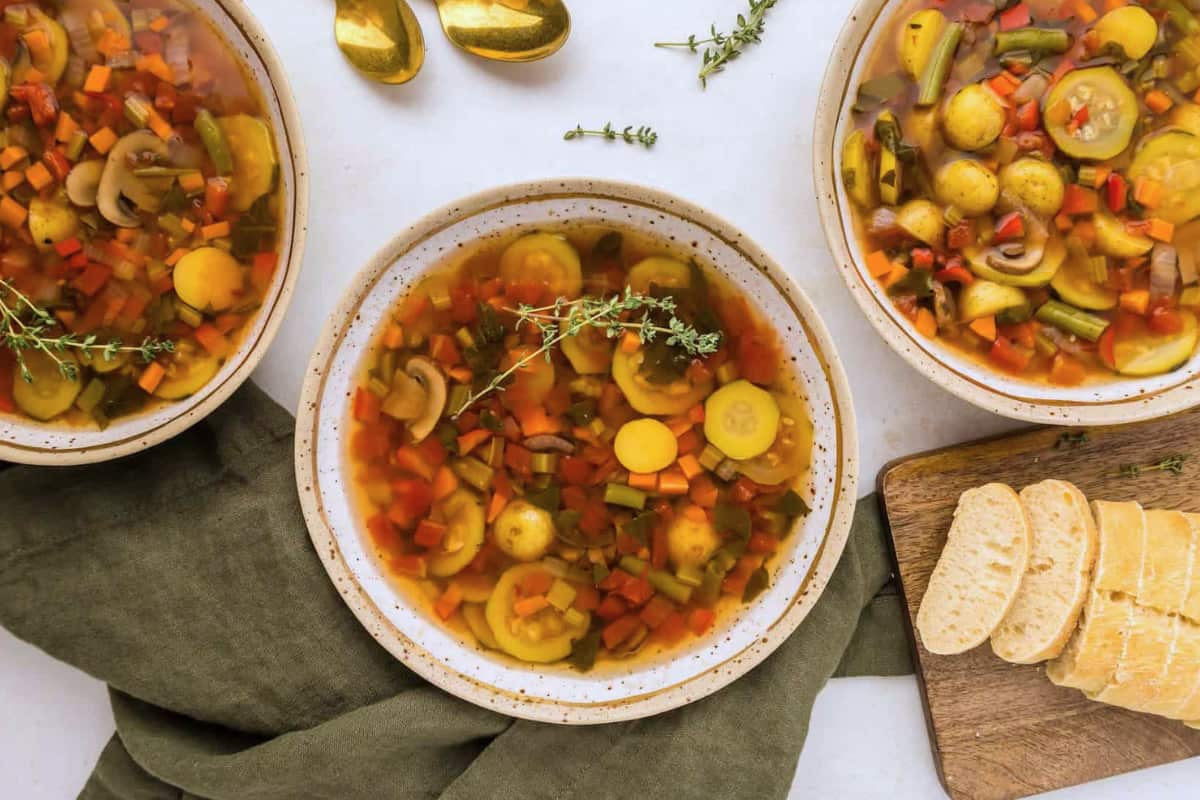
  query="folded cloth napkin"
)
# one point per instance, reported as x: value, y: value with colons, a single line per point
x: 185, y: 579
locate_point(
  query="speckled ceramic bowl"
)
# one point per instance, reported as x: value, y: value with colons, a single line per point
x: 1106, y: 402
x: 614, y: 690
x: 28, y: 442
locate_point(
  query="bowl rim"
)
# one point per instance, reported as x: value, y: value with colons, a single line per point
x: 1131, y: 402
x: 479, y: 692
x: 251, y: 352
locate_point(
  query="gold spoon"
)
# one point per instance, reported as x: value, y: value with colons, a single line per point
x: 506, y: 30
x: 380, y: 38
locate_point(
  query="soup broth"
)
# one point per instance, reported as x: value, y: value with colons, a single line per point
x: 571, y: 445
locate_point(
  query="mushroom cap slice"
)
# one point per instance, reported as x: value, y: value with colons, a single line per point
x: 119, y: 182
x: 1022, y: 264
x: 430, y: 377
x: 83, y: 182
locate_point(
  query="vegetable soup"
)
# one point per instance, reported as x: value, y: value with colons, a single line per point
x: 1025, y: 177
x: 139, y: 207
x: 570, y: 445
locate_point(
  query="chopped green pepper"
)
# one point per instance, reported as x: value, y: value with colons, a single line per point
x: 214, y: 141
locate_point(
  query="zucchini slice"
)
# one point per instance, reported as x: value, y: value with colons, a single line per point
x: 1075, y: 286
x: 986, y: 298
x: 1056, y: 253
x: 50, y: 393
x: 1144, y: 353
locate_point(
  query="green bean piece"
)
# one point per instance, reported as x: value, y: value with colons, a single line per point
x: 664, y: 582
x: 1072, y: 320
x: 214, y: 141
x: 474, y: 472
x: 618, y: 494
x: 759, y: 581
x: 1180, y: 16
x: 91, y: 396
x: 1037, y: 40
x: 544, y: 463
x: 933, y: 79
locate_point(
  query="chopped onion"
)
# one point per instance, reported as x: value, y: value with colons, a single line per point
x: 1032, y: 89
x: 1067, y: 342
x: 883, y: 224
x: 178, y: 55
x: 76, y: 72
x: 125, y: 60
x: 1164, y: 271
x: 81, y: 38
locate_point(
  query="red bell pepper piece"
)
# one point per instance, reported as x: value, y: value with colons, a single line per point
x: 1011, y: 226
x: 1116, y: 191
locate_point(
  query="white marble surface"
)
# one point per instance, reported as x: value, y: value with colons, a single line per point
x: 382, y: 157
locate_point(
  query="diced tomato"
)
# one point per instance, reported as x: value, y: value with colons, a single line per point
x: 464, y: 308
x: 619, y: 630
x: 961, y: 235
x: 1015, y: 17
x: 536, y: 582
x: 922, y: 258
x: 411, y: 500
x: 595, y: 520
x: 518, y: 459
x: 412, y: 461
x: 367, y: 405
x: 1011, y: 226
x: 611, y: 607
x: 575, y: 470
x: 1028, y: 116
x: 637, y: 591
x: 429, y: 534
x: 383, y: 534
x: 762, y: 543
x: 955, y: 274
x: 1165, y: 320
x: 700, y: 620
x: 1005, y: 355
x: 656, y: 611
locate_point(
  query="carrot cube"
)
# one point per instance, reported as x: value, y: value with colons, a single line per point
x: 39, y: 176
x: 11, y: 156
x: 97, y: 79
x: 103, y: 140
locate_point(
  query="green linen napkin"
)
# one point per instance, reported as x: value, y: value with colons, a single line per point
x: 185, y: 579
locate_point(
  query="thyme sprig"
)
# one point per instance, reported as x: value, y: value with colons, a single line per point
x: 643, y: 134
x: 566, y: 318
x: 26, y: 326
x: 722, y: 48
x: 1172, y: 464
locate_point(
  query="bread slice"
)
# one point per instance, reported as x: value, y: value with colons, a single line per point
x: 1057, y: 578
x: 1122, y: 542
x: 1165, y: 561
x: 977, y: 576
x: 1183, y: 671
x: 1094, y: 651
x: 1138, y: 682
x: 1189, y: 640
x: 1191, y: 604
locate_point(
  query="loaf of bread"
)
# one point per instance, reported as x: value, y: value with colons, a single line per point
x: 980, y: 570
x: 1111, y: 596
x: 1057, y: 578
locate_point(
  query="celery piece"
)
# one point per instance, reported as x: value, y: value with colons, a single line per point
x: 378, y: 387
x: 664, y: 582
x: 387, y: 366
x: 91, y: 396
x: 1098, y: 269
x: 727, y: 373
x: 214, y: 141
x: 952, y: 216
x: 457, y: 398
x: 711, y: 457
x: 1044, y: 346
x: 587, y: 386
x: 600, y: 571
x: 75, y: 145
x: 1072, y: 320
x: 710, y: 584
x: 137, y: 109
x: 597, y: 427
x: 474, y: 472
x: 561, y: 595
x: 493, y: 453
x: 1087, y: 175
x: 1180, y: 16
x: 544, y: 463
x: 618, y: 494
x: 1040, y: 40
x: 188, y: 314
x: 441, y: 299
x: 465, y: 338
x: 574, y: 617
x: 162, y: 172
x: 690, y: 575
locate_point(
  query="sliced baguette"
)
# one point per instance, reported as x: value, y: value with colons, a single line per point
x: 1163, y: 583
x: 1190, y: 639
x: 979, y: 572
x: 1122, y: 542
x: 1191, y: 605
x: 1138, y: 682
x: 1093, y: 653
x: 1057, y: 578
x: 1183, y: 671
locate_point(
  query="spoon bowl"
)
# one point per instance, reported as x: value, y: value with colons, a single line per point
x: 506, y: 30
x: 380, y: 38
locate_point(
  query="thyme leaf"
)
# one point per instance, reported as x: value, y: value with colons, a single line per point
x: 722, y: 48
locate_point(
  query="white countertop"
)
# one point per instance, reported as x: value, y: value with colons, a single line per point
x: 381, y: 157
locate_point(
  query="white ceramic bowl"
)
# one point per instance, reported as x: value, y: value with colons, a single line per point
x: 28, y: 442
x: 1109, y: 402
x: 616, y: 690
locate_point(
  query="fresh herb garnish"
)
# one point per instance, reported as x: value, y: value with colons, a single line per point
x: 723, y: 48
x: 792, y: 505
x: 1171, y: 464
x: 759, y: 582
x: 1070, y: 439
x: 253, y: 227
x: 26, y: 326
x: 643, y: 134
x: 566, y: 318
x: 733, y: 520
x: 584, y: 651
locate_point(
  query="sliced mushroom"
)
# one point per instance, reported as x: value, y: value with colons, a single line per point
x: 546, y: 442
x: 945, y: 310
x: 83, y: 182
x: 407, y: 399
x: 1014, y: 258
x: 430, y: 377
x: 118, y: 184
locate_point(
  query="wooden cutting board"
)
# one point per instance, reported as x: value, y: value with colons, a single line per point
x: 1001, y: 731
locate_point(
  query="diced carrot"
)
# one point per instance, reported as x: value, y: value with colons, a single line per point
x: 636, y: 591
x: 429, y: 534
x: 1066, y: 370
x: 97, y: 79
x: 228, y: 322
x: 409, y: 565
x: 1005, y: 84
x: 68, y: 247
x: 34, y: 75
x: 159, y: 24
x: 527, y: 606
x: 38, y: 43
x: 469, y: 441
x: 409, y: 459
x: 586, y: 598
x: 103, y: 140
x: 65, y: 128
x: 679, y: 425
x: 696, y: 413
x: 535, y: 421
x: 12, y: 213
x: 443, y: 349
x: 703, y: 492
x: 1158, y: 101
x: 1135, y: 301
x: 188, y: 225
x: 367, y: 405
x: 156, y: 66
x: 700, y: 620
x: 630, y: 342
x: 926, y: 323
x: 647, y: 482
x: 1079, y: 200
x: 657, y: 611
x: 1160, y: 229
x: 898, y: 273
x: 193, y: 182
x: 673, y: 482
x: 393, y: 337
x: 12, y: 179
x: 1084, y: 10
x: 878, y: 264
x: 461, y: 374
x: 218, y: 230
x: 445, y: 482
x: 213, y: 340
x: 985, y: 327
x: 151, y: 377
x: 262, y: 270
x: 11, y: 156
x: 690, y: 466
x: 536, y: 582
x: 449, y: 602
x: 1147, y: 192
